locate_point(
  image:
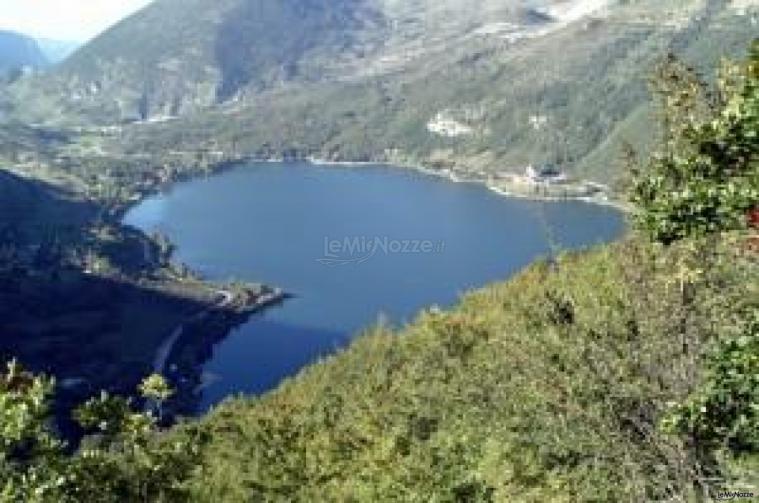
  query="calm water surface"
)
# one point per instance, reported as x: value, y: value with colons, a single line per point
x: 310, y: 230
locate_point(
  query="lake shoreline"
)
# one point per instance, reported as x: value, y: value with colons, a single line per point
x: 518, y: 232
x: 457, y: 177
x: 603, y: 195
x: 220, y: 168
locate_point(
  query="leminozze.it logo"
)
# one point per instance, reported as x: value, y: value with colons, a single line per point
x: 733, y: 495
x: 357, y: 250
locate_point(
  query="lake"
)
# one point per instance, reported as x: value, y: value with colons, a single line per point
x: 353, y: 244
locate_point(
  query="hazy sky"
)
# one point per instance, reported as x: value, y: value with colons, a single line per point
x: 64, y: 19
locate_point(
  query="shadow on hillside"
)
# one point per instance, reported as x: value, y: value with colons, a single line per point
x: 81, y: 327
x: 32, y: 209
x: 90, y: 332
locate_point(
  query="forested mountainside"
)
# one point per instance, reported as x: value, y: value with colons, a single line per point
x: 492, y: 87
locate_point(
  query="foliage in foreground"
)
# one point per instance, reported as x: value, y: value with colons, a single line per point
x: 705, y: 178
x: 558, y: 385
x: 551, y: 387
x: 703, y: 184
x: 125, y: 460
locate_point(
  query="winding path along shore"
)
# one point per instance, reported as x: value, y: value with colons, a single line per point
x: 162, y: 355
x: 226, y: 299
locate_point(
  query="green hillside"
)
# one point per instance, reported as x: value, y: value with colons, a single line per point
x: 550, y: 387
x: 376, y: 80
x: 545, y: 388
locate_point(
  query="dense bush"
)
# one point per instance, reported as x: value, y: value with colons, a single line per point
x: 706, y: 177
x: 126, y: 459
x: 724, y: 411
x: 703, y: 187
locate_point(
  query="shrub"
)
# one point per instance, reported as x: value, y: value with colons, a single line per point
x: 127, y: 459
x: 705, y: 179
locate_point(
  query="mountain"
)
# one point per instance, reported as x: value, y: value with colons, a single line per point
x: 173, y: 57
x: 17, y: 51
x: 57, y: 50
x: 491, y: 88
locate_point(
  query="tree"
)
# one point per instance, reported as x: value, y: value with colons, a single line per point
x: 157, y: 391
x: 705, y: 179
x: 699, y: 195
x: 127, y: 458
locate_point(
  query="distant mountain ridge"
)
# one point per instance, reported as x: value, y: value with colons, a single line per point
x: 18, y: 51
x: 176, y: 56
x: 492, y: 87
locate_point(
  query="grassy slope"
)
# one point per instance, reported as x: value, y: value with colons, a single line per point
x: 547, y: 387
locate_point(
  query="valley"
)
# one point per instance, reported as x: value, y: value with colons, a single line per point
x: 382, y: 82
x: 370, y: 95
x: 382, y: 250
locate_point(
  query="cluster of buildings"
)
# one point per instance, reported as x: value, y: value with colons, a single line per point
x: 540, y: 175
x: 545, y: 174
x: 444, y: 125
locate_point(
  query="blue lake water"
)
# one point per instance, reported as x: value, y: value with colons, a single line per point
x: 352, y: 244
